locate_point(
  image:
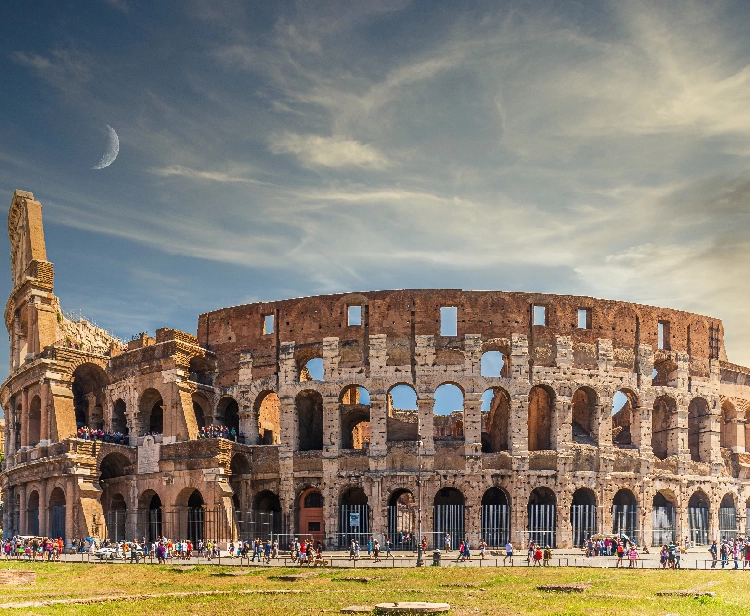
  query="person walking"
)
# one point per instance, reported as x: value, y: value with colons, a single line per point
x: 714, y: 551
x: 508, y: 552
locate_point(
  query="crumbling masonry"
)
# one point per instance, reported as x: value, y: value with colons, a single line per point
x: 331, y: 400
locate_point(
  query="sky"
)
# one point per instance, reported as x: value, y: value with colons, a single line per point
x: 276, y: 149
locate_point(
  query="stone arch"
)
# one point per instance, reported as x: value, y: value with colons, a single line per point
x: 664, y: 429
x: 495, y: 517
x: 450, y: 424
x: 311, y: 368
x: 32, y: 513
x: 89, y: 383
x: 353, y: 495
x: 541, y: 404
x: 727, y: 501
x: 625, y: 514
x: 201, y: 409
x: 583, y: 516
x: 448, y: 514
x: 310, y: 513
x: 699, y: 430
x: 699, y: 499
x: 35, y: 420
x: 309, y: 406
x: 195, y: 516
x: 728, y: 426
x: 728, y: 516
x: 624, y: 405
x: 200, y: 370
x: 57, y: 510
x: 151, y: 412
x: 119, y: 419
x: 402, y: 422
x: 585, y: 427
x: 496, y: 422
x: 150, y: 509
x: 542, y: 516
x: 664, y: 373
x: 267, y: 501
x: 239, y: 465
x: 494, y: 363
x: 402, y: 518
x: 268, y: 410
x: 354, y: 407
x: 114, y: 465
x: 115, y: 515
x: 228, y: 414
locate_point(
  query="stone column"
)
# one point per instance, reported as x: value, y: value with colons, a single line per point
x: 43, y: 509
x: 426, y: 428
x: 71, y: 504
x: 24, y: 418
x: 331, y: 434
x: 518, y: 425
x: 44, y: 428
x: 22, y: 513
x: 563, y: 522
x: 604, y: 422
x: 561, y: 432
x: 473, y: 425
x: 378, y: 431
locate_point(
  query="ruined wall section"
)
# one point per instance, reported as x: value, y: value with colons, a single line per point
x: 85, y: 336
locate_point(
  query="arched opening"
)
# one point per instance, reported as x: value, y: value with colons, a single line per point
x: 195, y: 517
x: 57, y: 514
x: 35, y: 420
x: 541, y: 401
x: 664, y: 373
x: 625, y: 515
x: 312, y: 370
x: 583, y: 515
x: 493, y: 364
x: 664, y: 431
x: 151, y: 412
x: 265, y: 519
x: 663, y: 518
x: 402, y: 519
x: 495, y: 517
x: 495, y: 420
x: 585, y: 428
x: 403, y: 415
x: 268, y: 409
x: 119, y: 421
x: 201, y: 410
x: 354, y: 517
x: 623, y: 406
x: 228, y: 414
x: 355, y: 417
x: 311, y: 522
x: 309, y: 406
x: 114, y: 465
x: 89, y: 382
x: 115, y: 516
x: 150, y: 515
x: 32, y: 514
x: 728, y: 426
x: 201, y: 371
x: 448, y: 516
x: 697, y: 512
x: 728, y: 517
x: 448, y: 412
x: 542, y: 527
x: 699, y: 430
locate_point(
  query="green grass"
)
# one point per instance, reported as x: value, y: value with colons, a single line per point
x: 492, y: 591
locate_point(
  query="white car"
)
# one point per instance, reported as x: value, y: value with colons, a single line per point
x: 108, y: 553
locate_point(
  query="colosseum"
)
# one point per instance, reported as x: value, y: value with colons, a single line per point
x: 322, y: 417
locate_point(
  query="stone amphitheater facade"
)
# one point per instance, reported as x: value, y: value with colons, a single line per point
x: 332, y: 399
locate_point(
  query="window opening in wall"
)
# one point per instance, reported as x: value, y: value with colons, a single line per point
x: 268, y: 324
x: 622, y: 419
x: 448, y: 321
x: 540, y: 315
x: 312, y: 370
x: 663, y: 335
x: 584, y: 318
x: 448, y: 412
x: 354, y: 316
x: 402, y: 420
x: 713, y: 341
x: 492, y: 364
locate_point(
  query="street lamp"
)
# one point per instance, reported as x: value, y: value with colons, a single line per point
x: 420, y: 554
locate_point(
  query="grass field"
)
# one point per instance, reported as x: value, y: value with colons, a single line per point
x: 469, y: 591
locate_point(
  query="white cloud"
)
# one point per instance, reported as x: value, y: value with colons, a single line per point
x: 314, y: 151
x: 195, y: 174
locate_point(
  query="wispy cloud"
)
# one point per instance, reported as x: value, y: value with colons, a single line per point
x: 314, y: 150
x: 195, y: 174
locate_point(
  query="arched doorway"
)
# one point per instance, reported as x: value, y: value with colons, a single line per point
x: 542, y: 509
x: 585, y: 424
x: 403, y: 416
x: 228, y: 414
x: 541, y: 402
x: 699, y: 430
x: 697, y: 513
x: 402, y: 520
x: 309, y: 406
x: 495, y: 517
x: 448, y: 412
x: 727, y: 517
x: 625, y: 515
x: 268, y: 408
x: 354, y: 517
x: 265, y: 519
x: 89, y: 382
x: 583, y: 515
x: 35, y: 420
x: 728, y: 426
x: 196, y: 517
x: 115, y: 517
x: 311, y: 522
x: 119, y: 422
x: 150, y: 514
x: 664, y: 429
x: 448, y: 517
x: 151, y: 412
x: 495, y: 420
x: 623, y: 406
x: 201, y: 410
x: 57, y: 514
x: 354, y: 408
x: 32, y: 514
x: 663, y: 521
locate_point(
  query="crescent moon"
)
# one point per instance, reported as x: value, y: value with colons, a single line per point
x: 112, y: 150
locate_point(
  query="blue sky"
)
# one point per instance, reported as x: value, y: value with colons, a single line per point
x: 276, y: 149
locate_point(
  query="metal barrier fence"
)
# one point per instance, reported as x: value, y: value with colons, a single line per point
x: 727, y: 522
x: 663, y: 524
x: 447, y: 519
x: 583, y: 521
x: 698, y: 525
x: 542, y: 528
x: 625, y: 521
x: 402, y: 527
x: 496, y: 525
x: 354, y: 525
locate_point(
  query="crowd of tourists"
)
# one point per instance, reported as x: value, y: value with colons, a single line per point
x: 217, y: 431
x: 33, y: 548
x: 305, y: 553
x: 106, y: 436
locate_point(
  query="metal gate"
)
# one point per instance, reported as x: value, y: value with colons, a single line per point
x: 698, y: 525
x: 542, y: 525
x: 402, y: 529
x: 57, y: 521
x: 447, y: 519
x: 115, y: 521
x: 260, y: 524
x: 583, y: 520
x: 32, y: 522
x: 663, y: 525
x: 354, y: 525
x: 625, y: 521
x: 727, y: 522
x: 496, y: 525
